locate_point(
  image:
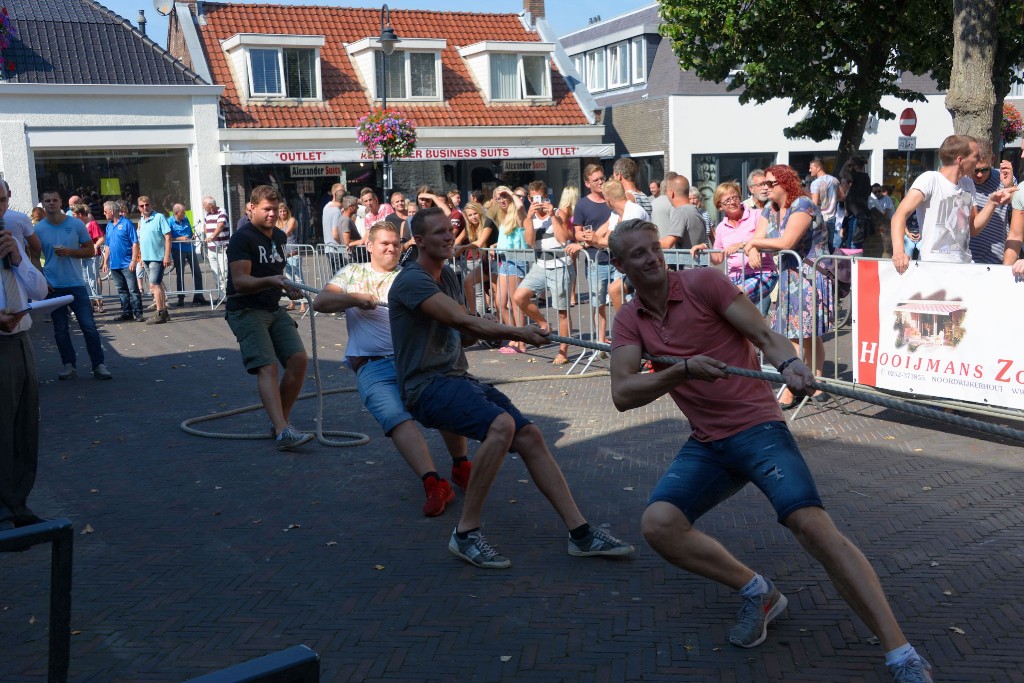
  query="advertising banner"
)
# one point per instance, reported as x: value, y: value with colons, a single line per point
x: 945, y: 330
x: 469, y: 153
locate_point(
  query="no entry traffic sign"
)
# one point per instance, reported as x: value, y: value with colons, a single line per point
x: 908, y: 121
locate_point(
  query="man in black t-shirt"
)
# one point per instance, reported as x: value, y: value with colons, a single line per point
x: 591, y: 213
x: 266, y: 333
x: 854, y: 192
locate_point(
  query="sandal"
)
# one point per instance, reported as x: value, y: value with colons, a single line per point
x: 560, y: 359
x: 508, y: 350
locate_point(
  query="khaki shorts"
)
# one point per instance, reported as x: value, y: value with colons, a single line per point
x: 264, y: 336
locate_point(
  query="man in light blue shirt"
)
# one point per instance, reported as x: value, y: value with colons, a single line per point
x: 155, y: 244
x: 65, y: 242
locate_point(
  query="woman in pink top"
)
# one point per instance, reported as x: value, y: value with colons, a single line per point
x: 738, y: 225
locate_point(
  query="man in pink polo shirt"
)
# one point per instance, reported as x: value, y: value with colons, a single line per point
x: 738, y: 437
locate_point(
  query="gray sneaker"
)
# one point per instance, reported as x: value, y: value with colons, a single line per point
x: 914, y: 670
x: 752, y: 620
x: 477, y: 551
x: 598, y: 542
x: 101, y: 372
x: 69, y: 372
x: 291, y: 438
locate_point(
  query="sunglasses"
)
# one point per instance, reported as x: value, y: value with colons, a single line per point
x: 982, y: 169
x: 768, y: 183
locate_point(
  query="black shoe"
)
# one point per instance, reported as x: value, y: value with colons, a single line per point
x: 200, y: 301
x: 139, y: 319
x: 126, y: 317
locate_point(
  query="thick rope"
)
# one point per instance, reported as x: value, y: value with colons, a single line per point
x: 894, y: 404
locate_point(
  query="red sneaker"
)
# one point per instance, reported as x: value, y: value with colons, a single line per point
x: 439, y: 494
x: 460, y: 474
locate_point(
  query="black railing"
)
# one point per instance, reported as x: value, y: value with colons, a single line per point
x: 60, y: 533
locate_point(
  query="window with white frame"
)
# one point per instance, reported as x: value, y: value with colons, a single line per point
x: 284, y: 72
x: 618, y: 65
x: 411, y: 75
x: 595, y: 70
x: 577, y: 61
x: 519, y: 77
x: 638, y: 47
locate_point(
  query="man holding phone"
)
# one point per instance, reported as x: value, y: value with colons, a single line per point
x: 20, y: 282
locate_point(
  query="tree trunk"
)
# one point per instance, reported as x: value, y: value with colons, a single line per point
x: 850, y: 139
x: 971, y: 98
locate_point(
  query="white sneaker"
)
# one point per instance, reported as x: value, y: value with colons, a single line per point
x: 69, y: 372
x: 101, y: 372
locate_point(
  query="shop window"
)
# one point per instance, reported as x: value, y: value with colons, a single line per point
x: 638, y: 47
x: 98, y: 175
x: 519, y: 77
x: 284, y: 72
x: 411, y: 75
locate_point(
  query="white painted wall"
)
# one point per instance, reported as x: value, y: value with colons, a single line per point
x: 719, y: 124
x: 101, y: 117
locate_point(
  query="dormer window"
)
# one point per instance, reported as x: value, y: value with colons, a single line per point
x: 411, y: 75
x: 414, y: 72
x: 511, y: 71
x: 277, y: 66
x: 290, y: 72
x: 520, y: 77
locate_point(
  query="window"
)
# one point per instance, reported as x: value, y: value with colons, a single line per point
x: 595, y: 70
x: 638, y: 47
x: 577, y: 61
x: 283, y: 72
x: 618, y: 65
x: 411, y: 75
x: 265, y: 72
x: 519, y: 77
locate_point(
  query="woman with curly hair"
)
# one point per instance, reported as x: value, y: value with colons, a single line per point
x: 792, y: 222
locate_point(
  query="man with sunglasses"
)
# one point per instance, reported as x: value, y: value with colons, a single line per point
x: 989, y: 244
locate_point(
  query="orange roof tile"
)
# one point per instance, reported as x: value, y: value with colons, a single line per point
x: 345, y: 101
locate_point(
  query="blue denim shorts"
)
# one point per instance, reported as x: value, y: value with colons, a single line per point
x: 599, y: 275
x: 463, y: 406
x: 705, y: 474
x: 377, y: 382
x: 510, y: 267
x: 155, y: 271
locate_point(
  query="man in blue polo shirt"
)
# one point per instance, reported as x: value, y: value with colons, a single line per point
x: 65, y: 242
x: 120, y: 258
x: 155, y: 245
x: 183, y: 254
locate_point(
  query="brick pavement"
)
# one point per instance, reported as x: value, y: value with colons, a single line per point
x: 191, y: 564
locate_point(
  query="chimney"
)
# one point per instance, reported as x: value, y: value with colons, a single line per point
x: 535, y: 8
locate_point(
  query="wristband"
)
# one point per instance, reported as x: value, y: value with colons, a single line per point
x: 787, y: 363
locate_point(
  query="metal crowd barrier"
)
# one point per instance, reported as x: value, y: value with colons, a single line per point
x: 60, y: 534
x: 203, y: 274
x: 297, y: 664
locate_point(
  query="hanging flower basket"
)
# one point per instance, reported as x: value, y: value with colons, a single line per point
x: 386, y: 131
x: 6, y: 29
x: 1013, y: 124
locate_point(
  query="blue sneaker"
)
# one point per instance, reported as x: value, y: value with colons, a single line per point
x: 913, y: 670
x: 752, y: 620
x: 477, y: 551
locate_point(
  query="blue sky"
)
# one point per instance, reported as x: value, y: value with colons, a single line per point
x: 565, y: 16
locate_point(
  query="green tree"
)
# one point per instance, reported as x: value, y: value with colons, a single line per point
x: 835, y: 59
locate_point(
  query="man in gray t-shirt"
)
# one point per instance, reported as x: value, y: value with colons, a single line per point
x: 429, y: 327
x: 686, y: 226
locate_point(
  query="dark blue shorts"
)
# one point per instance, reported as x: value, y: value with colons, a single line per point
x: 463, y: 406
x: 706, y: 473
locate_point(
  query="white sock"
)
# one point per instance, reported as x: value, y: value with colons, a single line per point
x: 900, y: 654
x: 756, y: 586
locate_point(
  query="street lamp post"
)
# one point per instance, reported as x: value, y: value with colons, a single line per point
x: 388, y: 39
